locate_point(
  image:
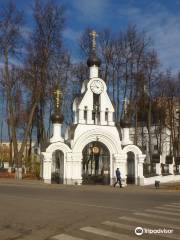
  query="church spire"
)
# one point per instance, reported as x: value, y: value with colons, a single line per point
x: 93, y: 60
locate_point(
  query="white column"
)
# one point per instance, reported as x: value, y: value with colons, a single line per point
x: 126, y: 137
x: 77, y: 168
x: 75, y: 117
x: 102, y: 118
x: 81, y: 116
x: 68, y: 169
x: 171, y: 169
x: 47, y: 161
x: 120, y: 161
x: 140, y: 176
x: 56, y: 133
x: 93, y: 72
x: 89, y: 116
x: 158, y: 168
x: 110, y: 119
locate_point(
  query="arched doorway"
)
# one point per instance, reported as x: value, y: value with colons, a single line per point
x: 130, y: 168
x: 57, y: 170
x: 96, y: 164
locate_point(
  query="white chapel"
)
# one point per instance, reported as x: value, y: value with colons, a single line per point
x: 93, y: 146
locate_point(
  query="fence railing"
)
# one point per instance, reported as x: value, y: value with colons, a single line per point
x: 176, y: 169
x: 164, y: 169
x: 149, y: 169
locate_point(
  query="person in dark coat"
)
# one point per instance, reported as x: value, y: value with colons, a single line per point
x: 118, y: 177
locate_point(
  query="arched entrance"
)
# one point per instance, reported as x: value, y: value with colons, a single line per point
x: 57, y: 170
x: 130, y: 168
x: 96, y: 164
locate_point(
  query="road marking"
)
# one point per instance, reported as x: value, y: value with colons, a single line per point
x: 163, y: 212
x: 65, y: 237
x: 168, y: 208
x: 156, y: 216
x: 132, y: 227
x: 110, y: 234
x: 176, y: 204
x: 120, y: 225
x: 150, y: 222
x: 170, y: 205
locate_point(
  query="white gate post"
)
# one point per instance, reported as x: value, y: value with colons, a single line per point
x: 47, y: 162
x: 140, y: 175
x: 158, y: 168
x: 120, y: 162
x: 171, y: 169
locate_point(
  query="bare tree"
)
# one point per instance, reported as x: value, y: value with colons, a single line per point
x: 45, y: 49
x: 26, y: 88
x: 10, y: 24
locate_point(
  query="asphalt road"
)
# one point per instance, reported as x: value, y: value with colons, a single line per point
x: 33, y: 210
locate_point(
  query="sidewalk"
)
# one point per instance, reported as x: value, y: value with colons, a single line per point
x: 107, y: 188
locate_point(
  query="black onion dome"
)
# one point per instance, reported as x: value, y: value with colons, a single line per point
x: 124, y: 123
x: 93, y: 60
x: 57, y: 118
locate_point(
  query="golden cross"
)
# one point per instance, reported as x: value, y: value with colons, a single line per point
x: 125, y: 106
x: 93, y: 34
x: 57, y: 94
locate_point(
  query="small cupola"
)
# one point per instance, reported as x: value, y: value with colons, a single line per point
x: 93, y: 60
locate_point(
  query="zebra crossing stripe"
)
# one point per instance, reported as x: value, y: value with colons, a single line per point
x: 65, y: 237
x: 162, y: 212
x: 172, y: 206
x: 110, y: 234
x: 156, y: 216
x: 131, y: 227
x: 168, y: 208
x: 120, y: 225
x: 142, y: 221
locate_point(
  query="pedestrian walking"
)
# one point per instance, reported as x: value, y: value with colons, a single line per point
x: 118, y: 177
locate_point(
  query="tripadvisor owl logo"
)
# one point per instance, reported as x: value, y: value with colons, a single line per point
x: 139, y: 231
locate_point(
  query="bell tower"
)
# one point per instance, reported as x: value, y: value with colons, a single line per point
x: 94, y: 105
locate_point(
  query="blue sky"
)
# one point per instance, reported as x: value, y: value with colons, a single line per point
x: 159, y: 18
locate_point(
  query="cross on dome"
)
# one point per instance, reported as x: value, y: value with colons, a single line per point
x: 57, y: 97
x: 93, y: 60
x: 93, y: 34
x: 57, y: 117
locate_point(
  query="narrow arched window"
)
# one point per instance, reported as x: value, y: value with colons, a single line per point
x: 85, y: 113
x: 106, y: 115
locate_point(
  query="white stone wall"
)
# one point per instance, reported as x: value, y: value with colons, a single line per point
x: 162, y: 179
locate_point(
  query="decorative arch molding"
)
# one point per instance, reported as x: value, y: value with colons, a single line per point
x: 58, y: 146
x: 106, y: 138
x: 132, y: 148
